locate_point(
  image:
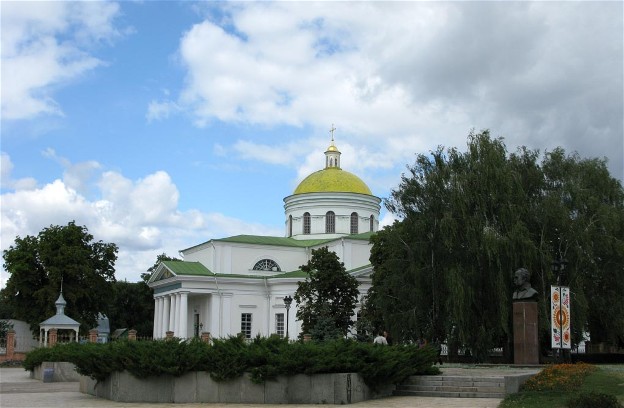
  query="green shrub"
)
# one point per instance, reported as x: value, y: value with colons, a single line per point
x: 594, y: 400
x: 567, y: 377
x: 224, y: 359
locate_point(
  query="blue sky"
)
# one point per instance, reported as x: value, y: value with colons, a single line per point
x: 160, y: 125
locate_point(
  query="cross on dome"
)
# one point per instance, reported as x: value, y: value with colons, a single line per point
x: 332, y: 155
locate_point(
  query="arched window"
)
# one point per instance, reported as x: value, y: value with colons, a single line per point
x: 372, y: 223
x: 330, y: 222
x: 266, y: 265
x: 290, y: 225
x: 306, y: 223
x: 354, y: 223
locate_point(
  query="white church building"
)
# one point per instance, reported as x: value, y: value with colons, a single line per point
x: 238, y: 284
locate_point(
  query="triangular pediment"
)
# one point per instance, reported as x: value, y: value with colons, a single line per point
x: 171, y: 269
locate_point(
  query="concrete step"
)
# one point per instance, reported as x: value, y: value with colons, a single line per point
x: 453, y: 386
x: 449, y: 394
x: 424, y: 379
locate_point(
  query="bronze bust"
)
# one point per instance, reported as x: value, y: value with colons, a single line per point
x: 523, y: 285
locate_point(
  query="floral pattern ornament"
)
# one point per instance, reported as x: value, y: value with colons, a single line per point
x: 560, y: 317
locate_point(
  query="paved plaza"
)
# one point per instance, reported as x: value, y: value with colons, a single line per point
x: 17, y: 389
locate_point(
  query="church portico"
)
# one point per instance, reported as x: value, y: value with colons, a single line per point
x: 170, y: 314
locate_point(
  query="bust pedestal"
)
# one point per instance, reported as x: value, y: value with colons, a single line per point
x: 526, y: 346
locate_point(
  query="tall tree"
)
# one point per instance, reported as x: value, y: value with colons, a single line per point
x: 160, y: 258
x: 326, y: 300
x: 132, y: 307
x: 468, y: 220
x: 66, y: 254
x: 586, y: 219
x: 132, y: 304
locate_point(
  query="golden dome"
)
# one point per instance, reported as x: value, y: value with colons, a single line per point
x: 332, y: 180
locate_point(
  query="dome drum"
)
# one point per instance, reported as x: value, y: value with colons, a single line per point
x: 352, y: 214
x: 330, y: 203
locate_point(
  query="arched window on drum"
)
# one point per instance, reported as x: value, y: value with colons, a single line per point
x: 306, y: 223
x: 330, y: 222
x: 354, y: 223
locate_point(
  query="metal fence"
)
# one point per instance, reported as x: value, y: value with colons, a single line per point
x: 580, y: 349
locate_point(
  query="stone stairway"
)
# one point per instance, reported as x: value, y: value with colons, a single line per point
x: 454, y: 386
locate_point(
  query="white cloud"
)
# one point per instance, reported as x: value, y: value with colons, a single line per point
x: 407, y: 77
x: 77, y: 176
x: 6, y: 178
x: 387, y: 220
x: 161, y: 110
x: 44, y: 45
x: 274, y: 154
x: 140, y: 216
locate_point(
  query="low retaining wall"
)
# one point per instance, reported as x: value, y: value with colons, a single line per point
x: 55, y: 372
x: 343, y: 388
x: 514, y: 382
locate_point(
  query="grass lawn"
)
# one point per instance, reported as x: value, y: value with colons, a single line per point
x: 608, y: 379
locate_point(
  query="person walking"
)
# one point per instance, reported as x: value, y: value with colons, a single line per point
x: 380, y: 339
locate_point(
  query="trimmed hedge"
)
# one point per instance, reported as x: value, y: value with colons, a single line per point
x: 264, y: 358
x: 594, y: 400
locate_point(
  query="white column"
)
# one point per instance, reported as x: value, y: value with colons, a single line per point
x: 183, y: 315
x: 269, y: 317
x: 215, y: 315
x: 165, y: 318
x: 161, y: 322
x: 164, y: 321
x: 226, y: 315
x: 172, y: 314
x: 293, y: 324
x: 156, y: 329
x: 176, y: 323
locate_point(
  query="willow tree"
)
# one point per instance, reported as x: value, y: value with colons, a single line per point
x: 583, y: 222
x: 469, y: 219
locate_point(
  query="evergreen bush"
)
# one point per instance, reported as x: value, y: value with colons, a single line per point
x: 225, y: 359
x: 594, y: 400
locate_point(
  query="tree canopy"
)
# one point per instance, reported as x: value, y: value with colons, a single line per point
x: 145, y: 276
x: 132, y: 307
x: 469, y: 220
x: 327, y: 298
x: 38, y: 264
x: 132, y: 304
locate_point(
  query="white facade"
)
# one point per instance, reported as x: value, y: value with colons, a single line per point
x: 238, y: 284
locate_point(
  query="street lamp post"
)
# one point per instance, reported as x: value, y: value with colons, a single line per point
x: 287, y: 301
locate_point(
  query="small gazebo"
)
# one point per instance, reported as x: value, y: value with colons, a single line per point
x: 58, y: 322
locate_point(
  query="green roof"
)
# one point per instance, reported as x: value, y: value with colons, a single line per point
x: 332, y: 180
x: 276, y: 241
x: 197, y: 269
x: 284, y: 241
x: 364, y: 236
x: 293, y: 274
x: 187, y: 268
